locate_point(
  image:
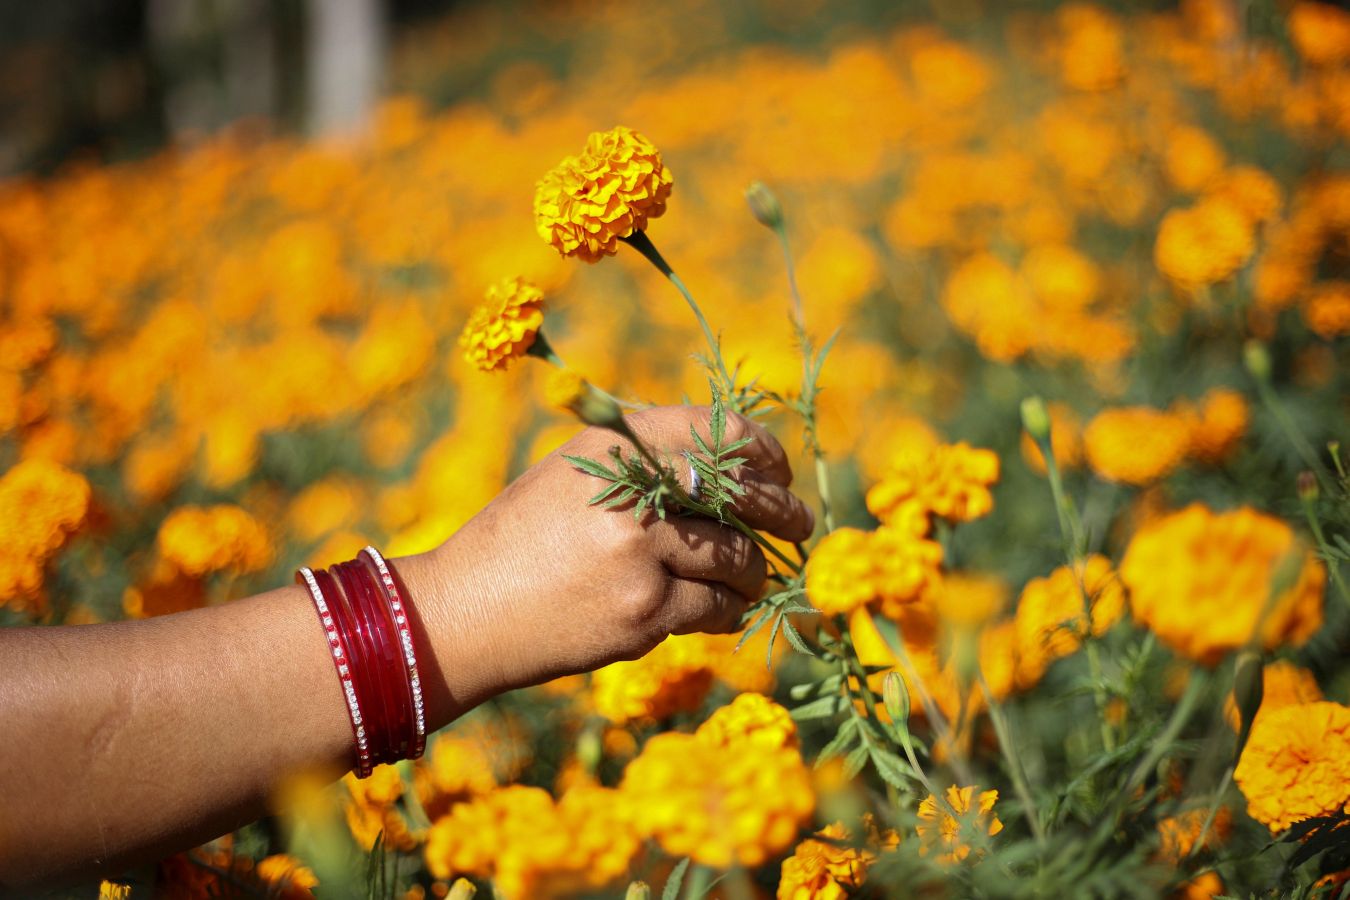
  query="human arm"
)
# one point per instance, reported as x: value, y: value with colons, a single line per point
x: 124, y: 742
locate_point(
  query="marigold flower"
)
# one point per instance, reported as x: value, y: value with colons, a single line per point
x: 200, y: 540
x: 504, y: 326
x: 941, y: 832
x: 1327, y: 309
x: 1283, y: 684
x: 1217, y: 425
x: 369, y: 807
x: 1179, y: 833
x: 1320, y: 32
x: 1135, y: 444
x: 825, y: 870
x: 952, y: 481
x: 586, y: 203
x: 969, y: 600
x: 1251, y: 190
x: 1296, y: 764
x: 42, y: 504
x: 1204, y: 244
x: 674, y: 677
x: 751, y: 720
x: 1192, y: 158
x: 1202, y: 582
x: 285, y: 875
x: 840, y: 573
x: 1050, y: 622
x: 454, y: 770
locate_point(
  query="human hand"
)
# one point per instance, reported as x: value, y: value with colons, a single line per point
x: 541, y: 584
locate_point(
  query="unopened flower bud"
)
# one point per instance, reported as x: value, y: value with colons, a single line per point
x: 1256, y: 358
x: 1307, y: 487
x: 1036, y: 419
x: 568, y: 390
x: 764, y: 205
x: 638, y: 890
x: 462, y: 889
x: 896, y: 696
x: 1248, y: 690
x: 590, y: 749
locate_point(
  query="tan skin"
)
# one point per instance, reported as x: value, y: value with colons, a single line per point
x: 124, y: 742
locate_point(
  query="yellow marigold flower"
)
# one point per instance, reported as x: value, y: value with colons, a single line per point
x: 369, y: 807
x: 824, y: 870
x: 504, y: 325
x: 1216, y: 425
x: 675, y: 677
x: 1327, y: 309
x: 969, y: 600
x: 1204, y: 244
x: 1050, y: 622
x: 940, y: 832
x: 1250, y: 190
x: 286, y: 876
x: 1202, y: 582
x: 839, y: 574
x: 1282, y: 684
x: 1296, y: 764
x: 905, y: 567
x: 533, y: 847
x: 1092, y: 58
x: 586, y: 203
x: 200, y: 540
x: 952, y: 481
x: 751, y: 720
x: 1135, y: 444
x: 1320, y: 32
x: 42, y: 504
x: 985, y: 299
x: 1192, y: 158
x: 454, y: 770
x: 1204, y: 887
x: 1179, y: 833
x: 1066, y: 440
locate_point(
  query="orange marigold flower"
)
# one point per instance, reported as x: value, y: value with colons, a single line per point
x: 1066, y: 440
x: 370, y: 811
x: 1282, y: 684
x: 1135, y: 444
x: 1203, y: 887
x: 1192, y: 158
x: 675, y: 677
x: 1296, y: 764
x: 828, y: 869
x: 286, y: 877
x: 454, y: 770
x: 1204, y: 244
x: 751, y: 720
x: 1327, y: 309
x: 1202, y: 582
x: 1217, y: 425
x: 1320, y: 32
x: 951, y: 481
x: 200, y: 540
x: 1179, y: 833
x: 586, y: 203
x: 1092, y: 58
x: 42, y: 504
x: 1051, y: 614
x: 1251, y: 190
x: 504, y: 326
x: 941, y: 832
x: 839, y: 574
x: 969, y: 600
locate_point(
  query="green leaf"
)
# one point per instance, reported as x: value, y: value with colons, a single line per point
x: 719, y: 416
x: 795, y: 639
x: 854, y: 762
x: 847, y: 734
x: 591, y: 467
x: 675, y: 881
x: 828, y: 684
x: 824, y: 708
x: 894, y: 770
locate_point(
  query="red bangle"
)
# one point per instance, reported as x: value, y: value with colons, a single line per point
x: 341, y: 662
x: 402, y: 622
x: 358, y: 654
x: 391, y: 740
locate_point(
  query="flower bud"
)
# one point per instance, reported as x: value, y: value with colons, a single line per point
x: 638, y: 890
x: 1256, y: 358
x: 1307, y: 487
x: 896, y: 696
x: 568, y: 390
x: 1036, y: 419
x: 1248, y: 690
x: 590, y: 749
x: 462, y: 889
x: 764, y: 205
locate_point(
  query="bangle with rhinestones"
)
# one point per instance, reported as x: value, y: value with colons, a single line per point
x: 338, y: 650
x: 398, y: 608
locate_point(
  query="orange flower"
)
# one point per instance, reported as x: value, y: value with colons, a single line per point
x: 1050, y: 621
x: 1204, y: 244
x: 1296, y: 764
x: 951, y: 481
x: 586, y: 203
x: 504, y: 325
x: 1135, y: 444
x: 940, y: 831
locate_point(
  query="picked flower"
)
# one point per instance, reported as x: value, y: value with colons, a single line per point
x: 504, y: 326
x: 587, y: 203
x: 567, y: 390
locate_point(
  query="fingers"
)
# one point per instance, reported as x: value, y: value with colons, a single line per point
x: 667, y: 429
x: 696, y: 548
x: 766, y: 506
x: 709, y: 606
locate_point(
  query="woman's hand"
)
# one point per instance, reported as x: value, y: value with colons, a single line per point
x: 541, y: 584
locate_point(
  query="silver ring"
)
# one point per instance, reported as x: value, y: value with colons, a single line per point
x: 695, y: 479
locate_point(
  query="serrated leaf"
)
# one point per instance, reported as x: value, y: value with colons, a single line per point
x: 591, y: 467
x: 621, y: 498
x: 675, y: 881
x: 773, y: 639
x: 731, y: 462
x: 827, y: 684
x: 893, y: 770
x: 824, y: 708
x: 854, y: 762
x: 847, y: 734
x: 795, y: 639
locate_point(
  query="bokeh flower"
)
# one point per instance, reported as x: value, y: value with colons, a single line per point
x: 585, y: 204
x: 829, y: 866
x: 1205, y: 582
x: 42, y: 504
x: 1296, y: 764
x: 1204, y: 244
x: 504, y: 326
x: 1135, y: 444
x: 951, y: 482
x: 949, y: 837
x: 1051, y: 619
x: 199, y: 540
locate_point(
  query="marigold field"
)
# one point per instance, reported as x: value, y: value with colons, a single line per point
x: 1076, y: 621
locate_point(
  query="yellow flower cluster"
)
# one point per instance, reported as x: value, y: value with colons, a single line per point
x: 199, y: 540
x: 1051, y: 619
x: 1203, y: 582
x: 829, y: 866
x: 454, y: 769
x: 1204, y: 244
x: 532, y: 846
x: 949, y: 836
x: 733, y: 793
x: 504, y: 326
x: 370, y: 810
x: 41, y: 505
x: 1296, y: 764
x: 586, y: 203
x: 951, y: 482
x: 1135, y: 444
x: 677, y: 676
x: 889, y: 568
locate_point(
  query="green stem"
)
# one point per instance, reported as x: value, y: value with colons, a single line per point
x: 1181, y: 714
x: 1333, y: 565
x: 1213, y: 811
x: 823, y: 489
x: 1014, y: 764
x: 781, y: 230
x: 1286, y: 423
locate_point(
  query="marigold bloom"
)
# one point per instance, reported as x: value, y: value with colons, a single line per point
x: 285, y: 875
x: 751, y: 720
x: 1051, y: 614
x: 1179, y: 833
x: 1202, y: 582
x: 675, y: 677
x: 586, y: 203
x: 969, y: 600
x: 952, y: 481
x: 1204, y: 244
x: 1320, y: 32
x: 1216, y: 425
x: 941, y: 832
x: 1192, y: 158
x: 824, y: 870
x: 1251, y: 190
x: 504, y: 325
x: 42, y: 504
x: 369, y: 807
x: 454, y: 770
x: 1296, y: 764
x: 1135, y: 444
x: 839, y: 574
x: 1282, y: 684
x: 200, y: 540
x: 1327, y: 309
